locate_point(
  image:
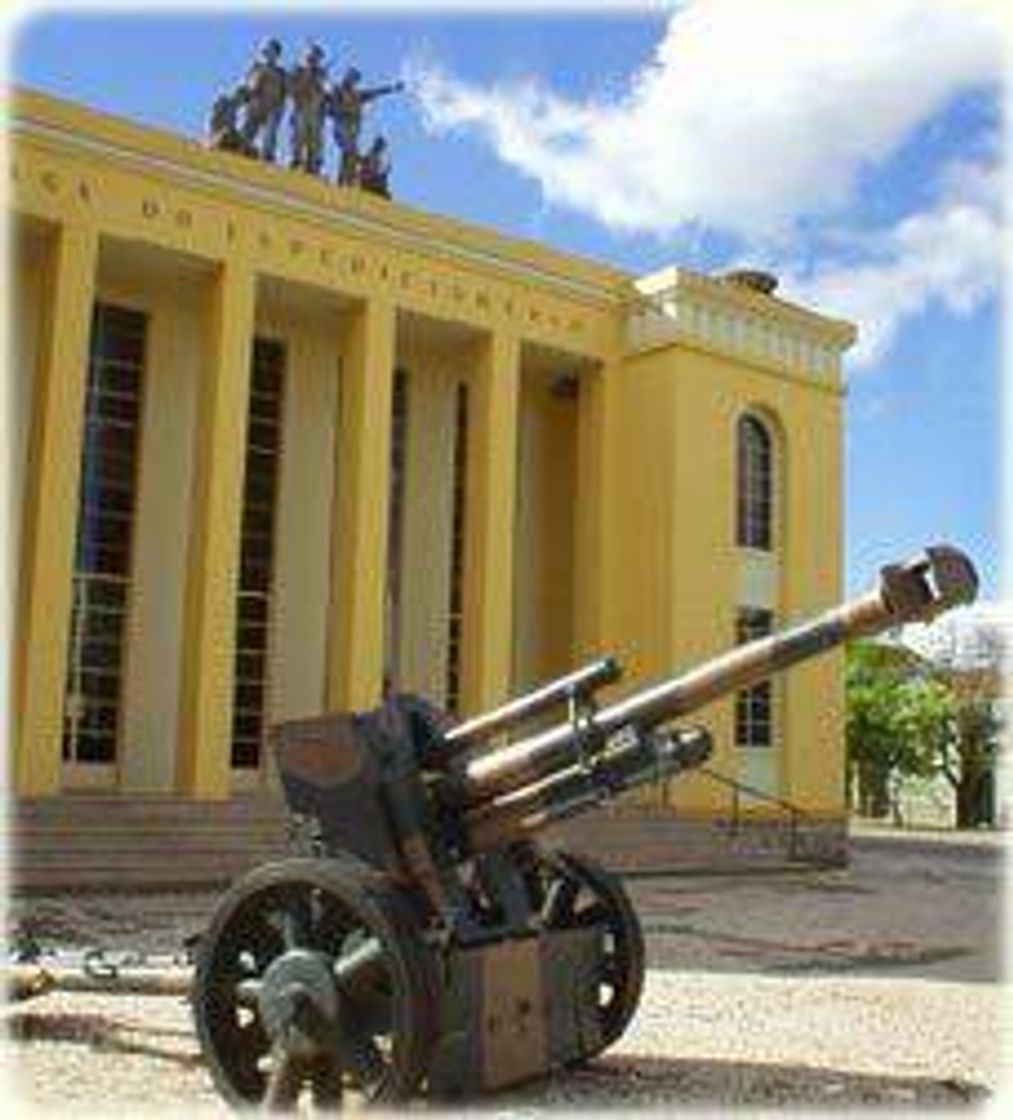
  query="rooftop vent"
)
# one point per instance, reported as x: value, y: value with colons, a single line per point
x: 752, y: 278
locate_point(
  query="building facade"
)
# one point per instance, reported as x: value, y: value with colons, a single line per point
x: 280, y: 443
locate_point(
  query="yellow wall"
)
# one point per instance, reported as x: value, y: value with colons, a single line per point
x: 601, y: 524
x: 24, y: 307
x: 672, y: 570
x: 544, y: 588
x: 154, y: 635
x: 302, y: 534
x: 426, y: 535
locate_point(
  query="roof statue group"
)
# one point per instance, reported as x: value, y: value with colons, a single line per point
x: 247, y: 120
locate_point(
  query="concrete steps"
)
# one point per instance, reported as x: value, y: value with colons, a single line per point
x: 97, y: 842
x: 88, y: 842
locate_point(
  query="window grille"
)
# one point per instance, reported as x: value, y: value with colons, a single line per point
x: 755, y: 486
x: 256, y: 563
x: 754, y: 708
x: 455, y: 618
x: 102, y: 559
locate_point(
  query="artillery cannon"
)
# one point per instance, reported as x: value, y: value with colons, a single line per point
x: 430, y: 945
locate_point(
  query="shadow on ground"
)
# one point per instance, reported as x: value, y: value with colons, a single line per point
x: 629, y: 1080
x: 106, y: 1033
x: 615, y: 1081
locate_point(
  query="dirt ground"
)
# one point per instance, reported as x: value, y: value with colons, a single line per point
x: 877, y: 985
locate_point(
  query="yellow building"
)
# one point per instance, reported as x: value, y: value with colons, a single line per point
x: 276, y: 441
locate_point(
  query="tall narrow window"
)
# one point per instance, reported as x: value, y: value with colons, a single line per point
x: 105, y: 519
x: 755, y: 489
x: 395, y: 525
x: 754, y: 709
x: 455, y: 618
x: 256, y: 566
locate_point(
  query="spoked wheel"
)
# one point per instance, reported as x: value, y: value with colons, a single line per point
x: 312, y: 982
x: 580, y: 893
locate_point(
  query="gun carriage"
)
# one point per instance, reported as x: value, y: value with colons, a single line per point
x: 431, y: 945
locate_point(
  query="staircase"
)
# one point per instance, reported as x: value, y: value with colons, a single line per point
x: 756, y: 832
x: 96, y: 842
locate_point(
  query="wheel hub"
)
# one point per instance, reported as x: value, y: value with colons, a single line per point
x: 298, y: 1002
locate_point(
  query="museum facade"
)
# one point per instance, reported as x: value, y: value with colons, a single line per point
x: 280, y: 445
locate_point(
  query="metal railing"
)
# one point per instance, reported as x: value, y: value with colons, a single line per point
x: 795, y: 814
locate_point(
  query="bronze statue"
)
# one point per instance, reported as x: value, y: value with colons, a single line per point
x: 264, y: 89
x: 345, y: 103
x: 374, y: 169
x: 307, y: 87
x: 223, y: 131
x: 268, y: 88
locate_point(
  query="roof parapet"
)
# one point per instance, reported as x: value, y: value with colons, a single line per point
x: 739, y: 315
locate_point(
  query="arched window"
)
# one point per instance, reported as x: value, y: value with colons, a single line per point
x: 755, y: 490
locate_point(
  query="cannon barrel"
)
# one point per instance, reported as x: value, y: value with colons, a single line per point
x: 940, y: 578
x: 629, y: 759
x: 580, y: 683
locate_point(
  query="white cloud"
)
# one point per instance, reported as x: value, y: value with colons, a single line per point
x: 749, y: 116
x: 948, y: 255
x: 754, y: 118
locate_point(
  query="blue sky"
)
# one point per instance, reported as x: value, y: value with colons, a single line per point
x: 851, y: 148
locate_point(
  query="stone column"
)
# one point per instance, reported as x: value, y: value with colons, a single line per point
x: 209, y: 631
x: 359, y: 548
x: 51, y: 511
x: 491, y: 511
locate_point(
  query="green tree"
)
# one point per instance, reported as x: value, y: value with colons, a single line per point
x: 913, y: 717
x: 885, y: 717
x: 968, y: 661
x: 968, y: 758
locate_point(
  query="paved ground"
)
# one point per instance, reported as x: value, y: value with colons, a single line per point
x: 875, y: 985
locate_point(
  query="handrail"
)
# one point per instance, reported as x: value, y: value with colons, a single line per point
x: 795, y: 812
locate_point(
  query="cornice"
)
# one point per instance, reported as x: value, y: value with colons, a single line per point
x: 679, y: 306
x: 50, y: 120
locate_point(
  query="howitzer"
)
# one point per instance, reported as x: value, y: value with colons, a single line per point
x: 429, y: 944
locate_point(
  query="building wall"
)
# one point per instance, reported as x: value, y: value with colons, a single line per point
x: 597, y: 523
x: 151, y: 681
x: 303, y: 542
x: 28, y: 273
x: 673, y: 573
x: 544, y: 585
x: 428, y: 511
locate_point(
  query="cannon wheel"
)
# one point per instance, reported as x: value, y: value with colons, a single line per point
x: 579, y: 892
x: 349, y: 940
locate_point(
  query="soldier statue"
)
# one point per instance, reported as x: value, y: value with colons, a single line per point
x: 261, y: 100
x: 345, y: 102
x: 264, y: 88
x: 223, y: 132
x: 307, y: 87
x: 374, y: 169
